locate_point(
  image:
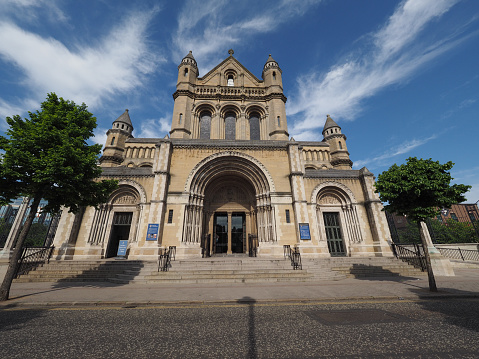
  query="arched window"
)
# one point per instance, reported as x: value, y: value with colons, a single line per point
x: 230, y: 126
x: 274, y: 75
x: 181, y: 118
x: 205, y: 125
x: 186, y: 72
x: 231, y: 81
x: 112, y: 141
x: 254, y: 133
x: 340, y: 145
x: 279, y: 121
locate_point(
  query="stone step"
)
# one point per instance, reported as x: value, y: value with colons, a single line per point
x: 219, y: 270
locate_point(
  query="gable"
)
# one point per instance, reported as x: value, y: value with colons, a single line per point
x: 212, y: 78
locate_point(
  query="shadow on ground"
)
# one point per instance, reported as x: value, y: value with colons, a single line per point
x: 452, y: 308
x: 377, y: 273
x: 252, y: 348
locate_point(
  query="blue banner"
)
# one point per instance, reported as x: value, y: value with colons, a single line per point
x: 152, y: 234
x: 122, y: 248
x: 304, y: 231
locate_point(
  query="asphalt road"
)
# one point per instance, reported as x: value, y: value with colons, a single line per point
x: 400, y: 329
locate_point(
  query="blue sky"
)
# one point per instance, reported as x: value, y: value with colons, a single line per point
x: 400, y: 77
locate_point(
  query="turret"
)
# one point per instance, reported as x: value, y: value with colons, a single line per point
x: 120, y: 131
x: 272, y: 74
x: 337, y: 142
x: 278, y: 127
x: 187, y: 75
x: 187, y: 72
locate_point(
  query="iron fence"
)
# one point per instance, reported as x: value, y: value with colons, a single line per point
x: 33, y: 257
x: 294, y: 255
x: 462, y: 254
x: 164, y: 262
x: 410, y: 253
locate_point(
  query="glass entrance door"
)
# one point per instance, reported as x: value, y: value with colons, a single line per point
x: 238, y: 232
x: 333, y: 234
x: 120, y: 231
x: 220, y: 235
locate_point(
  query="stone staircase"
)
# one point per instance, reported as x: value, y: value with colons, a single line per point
x: 218, y: 270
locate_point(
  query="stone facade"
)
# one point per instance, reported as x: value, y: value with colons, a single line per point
x: 226, y: 177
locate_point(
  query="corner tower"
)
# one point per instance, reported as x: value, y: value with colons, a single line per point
x: 185, y: 86
x: 273, y: 84
x: 120, y: 131
x: 337, y: 142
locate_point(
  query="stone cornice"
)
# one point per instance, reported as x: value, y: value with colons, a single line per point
x: 126, y: 172
x: 336, y: 135
x: 116, y: 159
x: 229, y: 145
x: 342, y: 161
x: 331, y: 173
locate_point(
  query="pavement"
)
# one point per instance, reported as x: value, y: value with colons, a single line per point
x: 464, y: 285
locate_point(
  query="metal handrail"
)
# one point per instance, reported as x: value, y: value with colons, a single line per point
x: 32, y: 257
x: 463, y: 254
x: 296, y: 259
x: 164, y: 262
x: 414, y: 257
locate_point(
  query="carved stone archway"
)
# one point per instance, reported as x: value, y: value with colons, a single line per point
x: 230, y: 174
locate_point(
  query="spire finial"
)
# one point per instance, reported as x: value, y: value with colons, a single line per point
x: 231, y: 52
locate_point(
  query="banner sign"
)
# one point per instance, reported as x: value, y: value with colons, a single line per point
x: 304, y: 231
x: 152, y: 234
x: 122, y: 248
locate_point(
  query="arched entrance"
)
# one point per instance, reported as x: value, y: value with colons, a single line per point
x: 229, y: 199
x: 118, y: 219
x: 337, y: 216
x: 229, y: 208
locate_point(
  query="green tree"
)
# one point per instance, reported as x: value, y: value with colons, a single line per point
x: 47, y: 156
x: 418, y: 190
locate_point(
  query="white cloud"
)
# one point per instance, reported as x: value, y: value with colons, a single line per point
x: 99, y: 136
x: 32, y: 10
x: 154, y: 128
x: 119, y: 63
x: 206, y: 27
x: 403, y: 148
x: 394, y: 56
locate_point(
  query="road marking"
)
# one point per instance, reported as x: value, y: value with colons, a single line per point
x: 228, y: 305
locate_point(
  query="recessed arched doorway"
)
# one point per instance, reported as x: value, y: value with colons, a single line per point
x: 229, y: 200
x: 229, y: 208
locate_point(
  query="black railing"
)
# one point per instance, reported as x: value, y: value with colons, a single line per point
x: 458, y: 253
x: 253, y: 245
x: 172, y: 250
x: 410, y: 253
x: 164, y: 262
x: 32, y: 257
x: 293, y: 255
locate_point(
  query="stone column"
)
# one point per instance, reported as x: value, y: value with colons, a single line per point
x: 16, y: 227
x: 229, y: 234
x: 440, y: 265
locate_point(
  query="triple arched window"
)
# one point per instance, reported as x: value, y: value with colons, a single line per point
x: 229, y: 126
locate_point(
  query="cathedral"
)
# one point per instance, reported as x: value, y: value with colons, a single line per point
x: 228, y: 179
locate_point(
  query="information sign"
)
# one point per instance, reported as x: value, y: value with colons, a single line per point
x: 304, y: 231
x: 122, y: 248
x: 152, y: 234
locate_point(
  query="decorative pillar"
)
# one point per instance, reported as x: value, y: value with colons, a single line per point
x: 229, y: 234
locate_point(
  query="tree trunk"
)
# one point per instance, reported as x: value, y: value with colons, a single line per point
x: 17, y: 251
x: 430, y: 273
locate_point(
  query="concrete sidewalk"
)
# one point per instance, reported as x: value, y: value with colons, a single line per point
x: 464, y: 284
